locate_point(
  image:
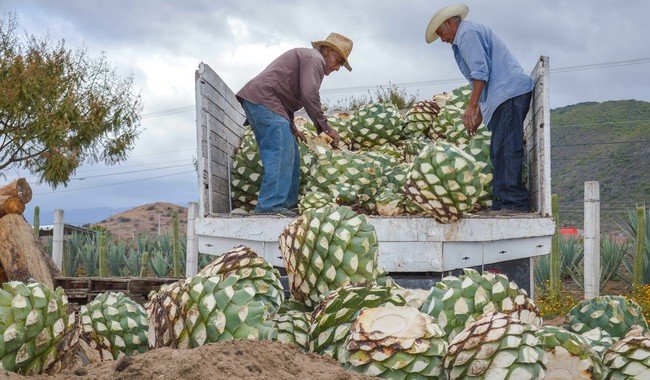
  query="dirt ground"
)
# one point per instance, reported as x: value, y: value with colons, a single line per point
x: 223, y: 360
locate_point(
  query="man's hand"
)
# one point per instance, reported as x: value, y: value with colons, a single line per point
x: 298, y: 133
x: 334, y: 135
x: 472, y: 118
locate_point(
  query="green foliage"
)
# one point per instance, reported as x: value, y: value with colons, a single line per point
x: 612, y: 257
x: 394, y: 95
x: 60, y: 108
x: 542, y: 273
x: 37, y: 221
x: 144, y: 264
x: 103, y: 261
x: 132, y: 263
x: 570, y: 262
x: 160, y: 264
x: 629, y: 228
x: 116, y: 254
x: 175, y: 246
x: 204, y: 260
x: 619, y: 168
x: 391, y: 94
x: 570, y: 255
x: 123, y: 258
x: 72, y: 252
x: 86, y: 249
x: 639, y: 246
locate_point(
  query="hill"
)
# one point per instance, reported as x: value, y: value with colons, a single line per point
x: 607, y: 142
x: 147, y: 219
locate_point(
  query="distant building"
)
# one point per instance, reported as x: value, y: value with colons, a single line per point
x: 68, y: 229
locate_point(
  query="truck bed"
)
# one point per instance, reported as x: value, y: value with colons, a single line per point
x: 408, y: 244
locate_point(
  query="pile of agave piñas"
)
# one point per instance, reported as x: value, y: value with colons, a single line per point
x: 341, y: 304
x: 424, y: 163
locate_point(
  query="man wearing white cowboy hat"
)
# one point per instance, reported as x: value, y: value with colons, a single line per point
x: 501, y: 93
x: 291, y: 82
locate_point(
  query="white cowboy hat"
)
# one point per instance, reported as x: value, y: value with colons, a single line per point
x: 443, y: 15
x: 338, y: 42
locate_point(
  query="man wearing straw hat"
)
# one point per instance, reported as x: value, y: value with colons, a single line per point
x: 500, y: 98
x: 288, y: 84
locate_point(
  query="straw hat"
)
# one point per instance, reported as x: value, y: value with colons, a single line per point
x: 443, y: 15
x: 338, y: 42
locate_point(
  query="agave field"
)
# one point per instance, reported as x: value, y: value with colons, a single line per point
x: 145, y: 255
x: 617, y: 260
x: 341, y: 304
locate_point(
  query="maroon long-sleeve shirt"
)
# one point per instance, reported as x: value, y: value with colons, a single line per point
x: 290, y: 82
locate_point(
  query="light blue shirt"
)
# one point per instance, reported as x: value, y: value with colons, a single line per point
x: 482, y: 55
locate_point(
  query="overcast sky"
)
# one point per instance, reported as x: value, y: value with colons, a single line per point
x: 162, y: 42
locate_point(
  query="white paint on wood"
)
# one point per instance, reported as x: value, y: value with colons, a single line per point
x: 268, y: 228
x: 592, y: 240
x: 538, y: 139
x: 201, y: 142
x: 57, y: 239
x: 192, y: 248
x: 405, y: 256
x: 545, y: 149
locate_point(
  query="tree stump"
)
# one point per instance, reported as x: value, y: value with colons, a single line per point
x: 19, y: 188
x: 20, y: 255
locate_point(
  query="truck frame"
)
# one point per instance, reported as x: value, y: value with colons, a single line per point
x: 415, y: 250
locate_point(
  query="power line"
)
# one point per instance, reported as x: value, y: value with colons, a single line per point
x: 113, y: 184
x: 604, y: 143
x: 159, y: 153
x: 169, y: 111
x: 191, y: 107
x: 128, y: 172
x: 626, y: 62
x: 454, y: 80
x: 187, y: 160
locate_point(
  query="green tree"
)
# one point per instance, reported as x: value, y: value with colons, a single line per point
x: 60, y: 108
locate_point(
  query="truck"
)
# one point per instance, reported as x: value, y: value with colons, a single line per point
x: 416, y: 251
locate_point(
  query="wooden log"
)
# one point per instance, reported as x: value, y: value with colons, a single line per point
x: 20, y: 254
x: 19, y: 188
x: 11, y: 204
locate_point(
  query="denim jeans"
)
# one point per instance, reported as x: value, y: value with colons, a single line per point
x: 280, y: 157
x: 507, y: 154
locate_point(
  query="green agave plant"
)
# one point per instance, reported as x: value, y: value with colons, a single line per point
x: 132, y: 263
x: 612, y: 258
x: 87, y: 250
x: 571, y: 251
x: 542, y: 273
x: 116, y: 255
x: 71, y: 255
x: 160, y: 263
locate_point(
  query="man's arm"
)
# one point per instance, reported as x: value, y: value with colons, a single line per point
x: 296, y: 132
x: 474, y: 53
x: 311, y: 77
x: 473, y: 117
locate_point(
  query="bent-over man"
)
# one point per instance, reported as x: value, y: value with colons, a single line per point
x: 289, y: 83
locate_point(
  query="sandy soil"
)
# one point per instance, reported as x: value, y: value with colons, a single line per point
x: 224, y: 360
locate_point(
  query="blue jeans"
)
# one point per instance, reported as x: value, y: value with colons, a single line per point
x: 507, y: 154
x: 280, y: 157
